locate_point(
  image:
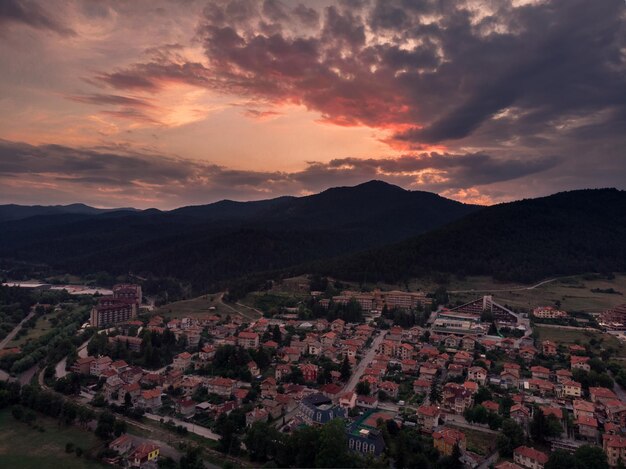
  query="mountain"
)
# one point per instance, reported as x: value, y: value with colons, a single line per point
x: 208, y: 243
x: 566, y: 233
x: 18, y: 212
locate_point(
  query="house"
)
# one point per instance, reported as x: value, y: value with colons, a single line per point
x: 174, y: 379
x: 428, y: 418
x: 520, y: 414
x: 529, y: 457
x: 133, y: 389
x: 390, y: 388
x: 540, y: 372
x: 563, y: 375
x: 408, y: 365
x: 598, y: 394
x: 319, y: 409
x: 508, y: 465
x: 348, y: 400
x: 541, y: 386
x: 332, y: 391
x: 583, y: 408
x: 309, y: 372
x: 587, y: 428
x: 82, y: 365
x: 281, y: 371
x: 248, y: 339
x: 428, y: 372
x: 268, y: 387
x: 337, y: 325
x: 548, y: 348
x: 150, y: 399
x: 477, y: 374
x: 207, y: 352
x: 99, y: 365
x: 221, y: 386
x: 315, y: 348
x: 491, y: 406
x: 131, y: 343
x: 367, y: 402
x: 509, y: 379
x: 256, y: 415
x: 182, y: 361
x: 363, y: 435
x: 455, y: 370
x: 446, y: 439
x: 572, y: 389
x: 185, y: 407
x: 457, y: 398
x: 421, y: 386
x: 144, y: 453
x: 527, y: 353
x: 329, y: 338
x: 274, y: 407
x: 253, y: 368
x: 614, y: 447
x: 122, y: 444
x: 579, y: 363
x: 468, y: 343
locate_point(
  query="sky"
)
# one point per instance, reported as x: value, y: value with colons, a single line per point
x: 154, y: 103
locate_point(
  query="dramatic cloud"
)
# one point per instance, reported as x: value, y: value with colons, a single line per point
x: 31, y: 14
x: 117, y: 174
x: 482, y: 100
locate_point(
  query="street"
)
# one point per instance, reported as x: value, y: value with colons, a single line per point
x: 367, y: 359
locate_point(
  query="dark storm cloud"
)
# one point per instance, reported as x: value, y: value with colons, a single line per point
x: 31, y: 14
x: 114, y: 169
x: 442, y: 71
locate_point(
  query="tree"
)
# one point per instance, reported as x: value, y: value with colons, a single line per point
x: 511, y: 436
x: 345, y: 369
x: 106, y: 424
x: 560, y: 459
x: 333, y: 451
x: 363, y: 388
x: 591, y: 456
x: 435, y: 392
x: 538, y: 425
x: 483, y: 394
x: 192, y: 459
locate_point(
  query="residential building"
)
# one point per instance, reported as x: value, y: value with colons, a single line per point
x: 319, y: 409
x: 529, y: 457
x: 428, y: 418
x: 446, y: 439
x: 614, y: 447
x: 248, y: 339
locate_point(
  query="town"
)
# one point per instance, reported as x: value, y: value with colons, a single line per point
x: 471, y: 381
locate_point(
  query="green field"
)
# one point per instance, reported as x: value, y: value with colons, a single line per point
x: 573, y: 292
x: 201, y: 307
x: 560, y: 335
x: 24, y: 447
x: 41, y: 327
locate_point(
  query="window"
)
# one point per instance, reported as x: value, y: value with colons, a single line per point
x: 351, y: 443
x: 358, y: 445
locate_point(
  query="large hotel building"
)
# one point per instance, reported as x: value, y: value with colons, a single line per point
x: 120, y: 307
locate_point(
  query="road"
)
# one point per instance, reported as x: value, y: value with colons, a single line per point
x: 15, y: 330
x: 365, y: 361
x: 506, y: 289
x: 192, y: 427
x: 60, y: 371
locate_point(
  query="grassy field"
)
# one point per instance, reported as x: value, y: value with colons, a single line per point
x: 560, y: 335
x: 573, y: 292
x: 41, y: 327
x: 477, y: 441
x: 23, y: 447
x: 202, y: 306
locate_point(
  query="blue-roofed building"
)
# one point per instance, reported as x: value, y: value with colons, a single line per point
x: 363, y: 435
x: 319, y: 409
